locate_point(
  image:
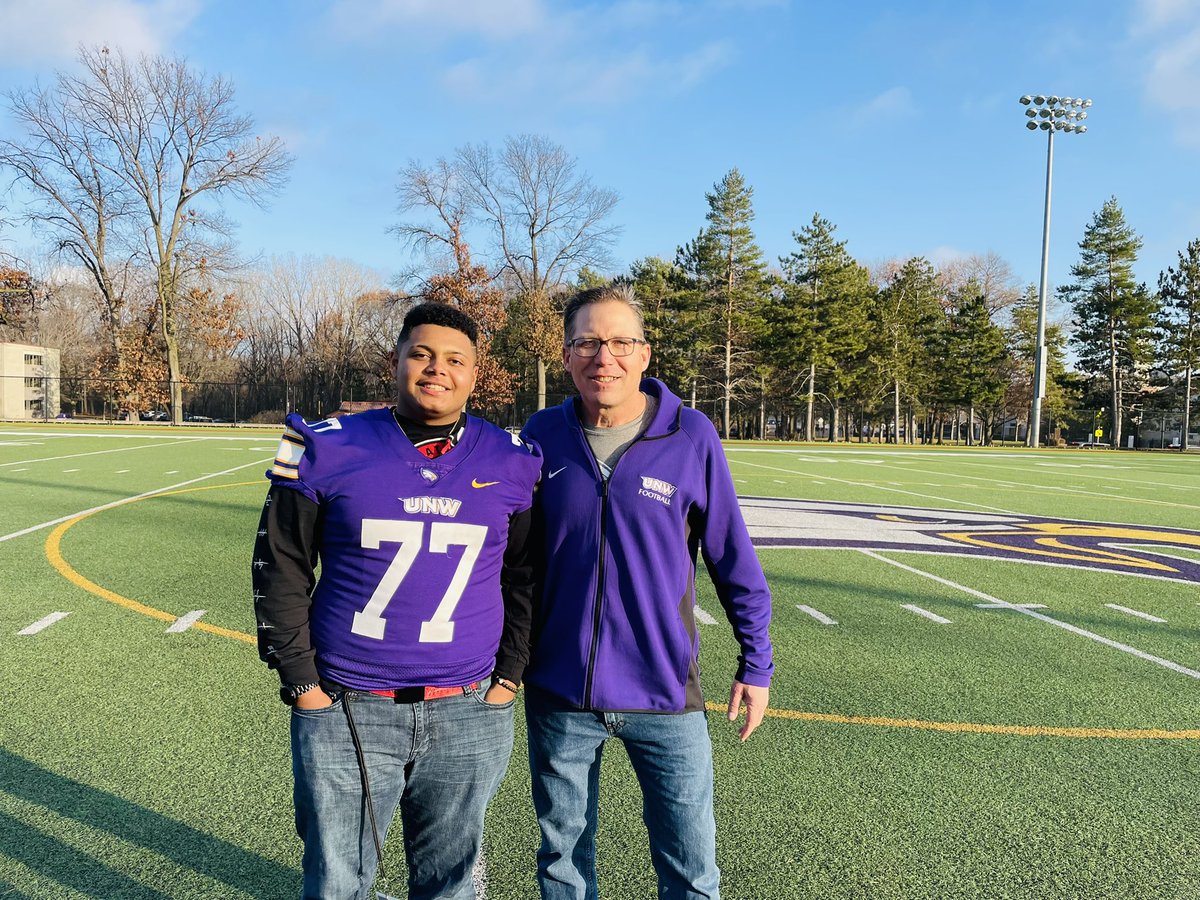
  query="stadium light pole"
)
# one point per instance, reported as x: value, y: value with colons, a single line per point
x: 1048, y: 114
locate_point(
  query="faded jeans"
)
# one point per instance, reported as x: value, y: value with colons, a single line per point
x: 672, y: 758
x: 440, y: 761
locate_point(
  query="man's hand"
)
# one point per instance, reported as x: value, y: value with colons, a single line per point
x: 314, y: 699
x: 756, y: 700
x: 498, y: 694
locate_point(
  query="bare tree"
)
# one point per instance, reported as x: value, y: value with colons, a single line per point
x: 547, y: 221
x: 119, y: 157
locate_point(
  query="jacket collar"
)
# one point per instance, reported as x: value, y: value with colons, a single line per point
x: 666, y: 417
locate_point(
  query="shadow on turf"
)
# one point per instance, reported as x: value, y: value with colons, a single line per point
x: 102, y: 811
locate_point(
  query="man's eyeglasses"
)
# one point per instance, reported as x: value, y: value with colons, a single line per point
x: 618, y: 346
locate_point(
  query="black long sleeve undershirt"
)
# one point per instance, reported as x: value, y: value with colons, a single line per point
x: 284, y: 575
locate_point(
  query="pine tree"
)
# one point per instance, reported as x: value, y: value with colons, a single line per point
x: 1113, y: 314
x: 727, y: 270
x: 974, y: 355
x: 829, y: 311
x: 1178, y: 325
x: 908, y: 319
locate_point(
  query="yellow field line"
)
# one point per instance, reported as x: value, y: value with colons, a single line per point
x: 54, y: 555
x: 1135, y: 734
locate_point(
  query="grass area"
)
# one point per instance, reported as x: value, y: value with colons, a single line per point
x: 140, y: 764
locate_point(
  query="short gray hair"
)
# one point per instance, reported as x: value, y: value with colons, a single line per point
x: 610, y: 293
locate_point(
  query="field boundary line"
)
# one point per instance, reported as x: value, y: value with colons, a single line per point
x: 863, y: 484
x: 92, y: 453
x: 1128, y: 734
x: 95, y: 509
x: 1038, y: 488
x: 1041, y: 617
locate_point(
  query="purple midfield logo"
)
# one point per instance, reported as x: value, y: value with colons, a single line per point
x: 1152, y: 551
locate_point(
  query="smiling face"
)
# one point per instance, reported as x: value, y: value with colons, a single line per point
x: 435, y: 374
x: 608, y: 385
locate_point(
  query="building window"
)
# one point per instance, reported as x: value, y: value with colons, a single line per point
x: 33, y: 359
x: 33, y: 382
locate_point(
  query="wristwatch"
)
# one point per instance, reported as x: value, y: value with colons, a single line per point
x: 290, y: 693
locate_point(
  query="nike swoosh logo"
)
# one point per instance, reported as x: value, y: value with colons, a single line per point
x: 479, y: 484
x: 555, y: 472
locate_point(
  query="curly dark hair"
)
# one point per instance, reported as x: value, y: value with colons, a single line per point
x: 443, y: 314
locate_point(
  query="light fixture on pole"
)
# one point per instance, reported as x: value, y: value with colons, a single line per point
x: 1048, y: 114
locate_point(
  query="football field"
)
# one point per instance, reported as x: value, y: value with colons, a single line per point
x: 987, y: 680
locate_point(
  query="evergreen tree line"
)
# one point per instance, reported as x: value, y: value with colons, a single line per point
x: 123, y: 168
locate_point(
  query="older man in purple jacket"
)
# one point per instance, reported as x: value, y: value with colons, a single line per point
x: 633, y: 485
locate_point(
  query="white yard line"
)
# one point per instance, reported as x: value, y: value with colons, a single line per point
x: 1085, y: 492
x: 183, y: 623
x: 892, y: 490
x: 169, y: 487
x: 1136, y: 612
x: 1041, y: 617
x: 43, y: 623
x: 90, y: 453
x: 816, y: 614
x: 1010, y: 605
x: 704, y: 618
x: 1035, y: 487
x: 931, y: 616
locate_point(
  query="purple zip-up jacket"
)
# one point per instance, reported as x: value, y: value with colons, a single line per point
x: 615, y: 627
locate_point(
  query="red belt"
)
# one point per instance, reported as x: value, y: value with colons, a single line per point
x: 417, y: 694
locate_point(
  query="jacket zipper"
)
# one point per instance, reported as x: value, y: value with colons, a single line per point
x: 601, y: 569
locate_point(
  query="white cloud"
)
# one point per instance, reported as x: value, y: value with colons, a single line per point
x: 487, y: 18
x: 1155, y: 14
x: 599, y: 80
x: 893, y: 104
x: 50, y: 30
x: 1173, y: 80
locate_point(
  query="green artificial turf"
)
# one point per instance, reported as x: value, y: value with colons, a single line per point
x: 140, y: 764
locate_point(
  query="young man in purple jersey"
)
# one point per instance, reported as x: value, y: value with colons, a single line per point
x: 634, y: 486
x: 402, y: 661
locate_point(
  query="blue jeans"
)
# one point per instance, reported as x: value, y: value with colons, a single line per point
x: 672, y: 758
x: 441, y: 761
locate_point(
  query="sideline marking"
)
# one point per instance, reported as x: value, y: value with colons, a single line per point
x: 1041, y: 617
x: 704, y: 618
x: 932, y: 617
x: 95, y: 509
x: 1010, y: 605
x: 89, y: 453
x: 183, y: 623
x: 54, y: 555
x: 1136, y: 612
x: 43, y: 623
x: 816, y: 614
x: 1128, y: 734
x: 877, y: 487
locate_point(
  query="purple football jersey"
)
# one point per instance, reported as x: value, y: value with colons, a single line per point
x: 411, y: 548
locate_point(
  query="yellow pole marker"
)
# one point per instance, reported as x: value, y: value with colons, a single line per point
x: 54, y: 555
x: 1129, y: 734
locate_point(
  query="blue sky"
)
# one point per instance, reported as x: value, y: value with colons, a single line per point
x: 897, y: 121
